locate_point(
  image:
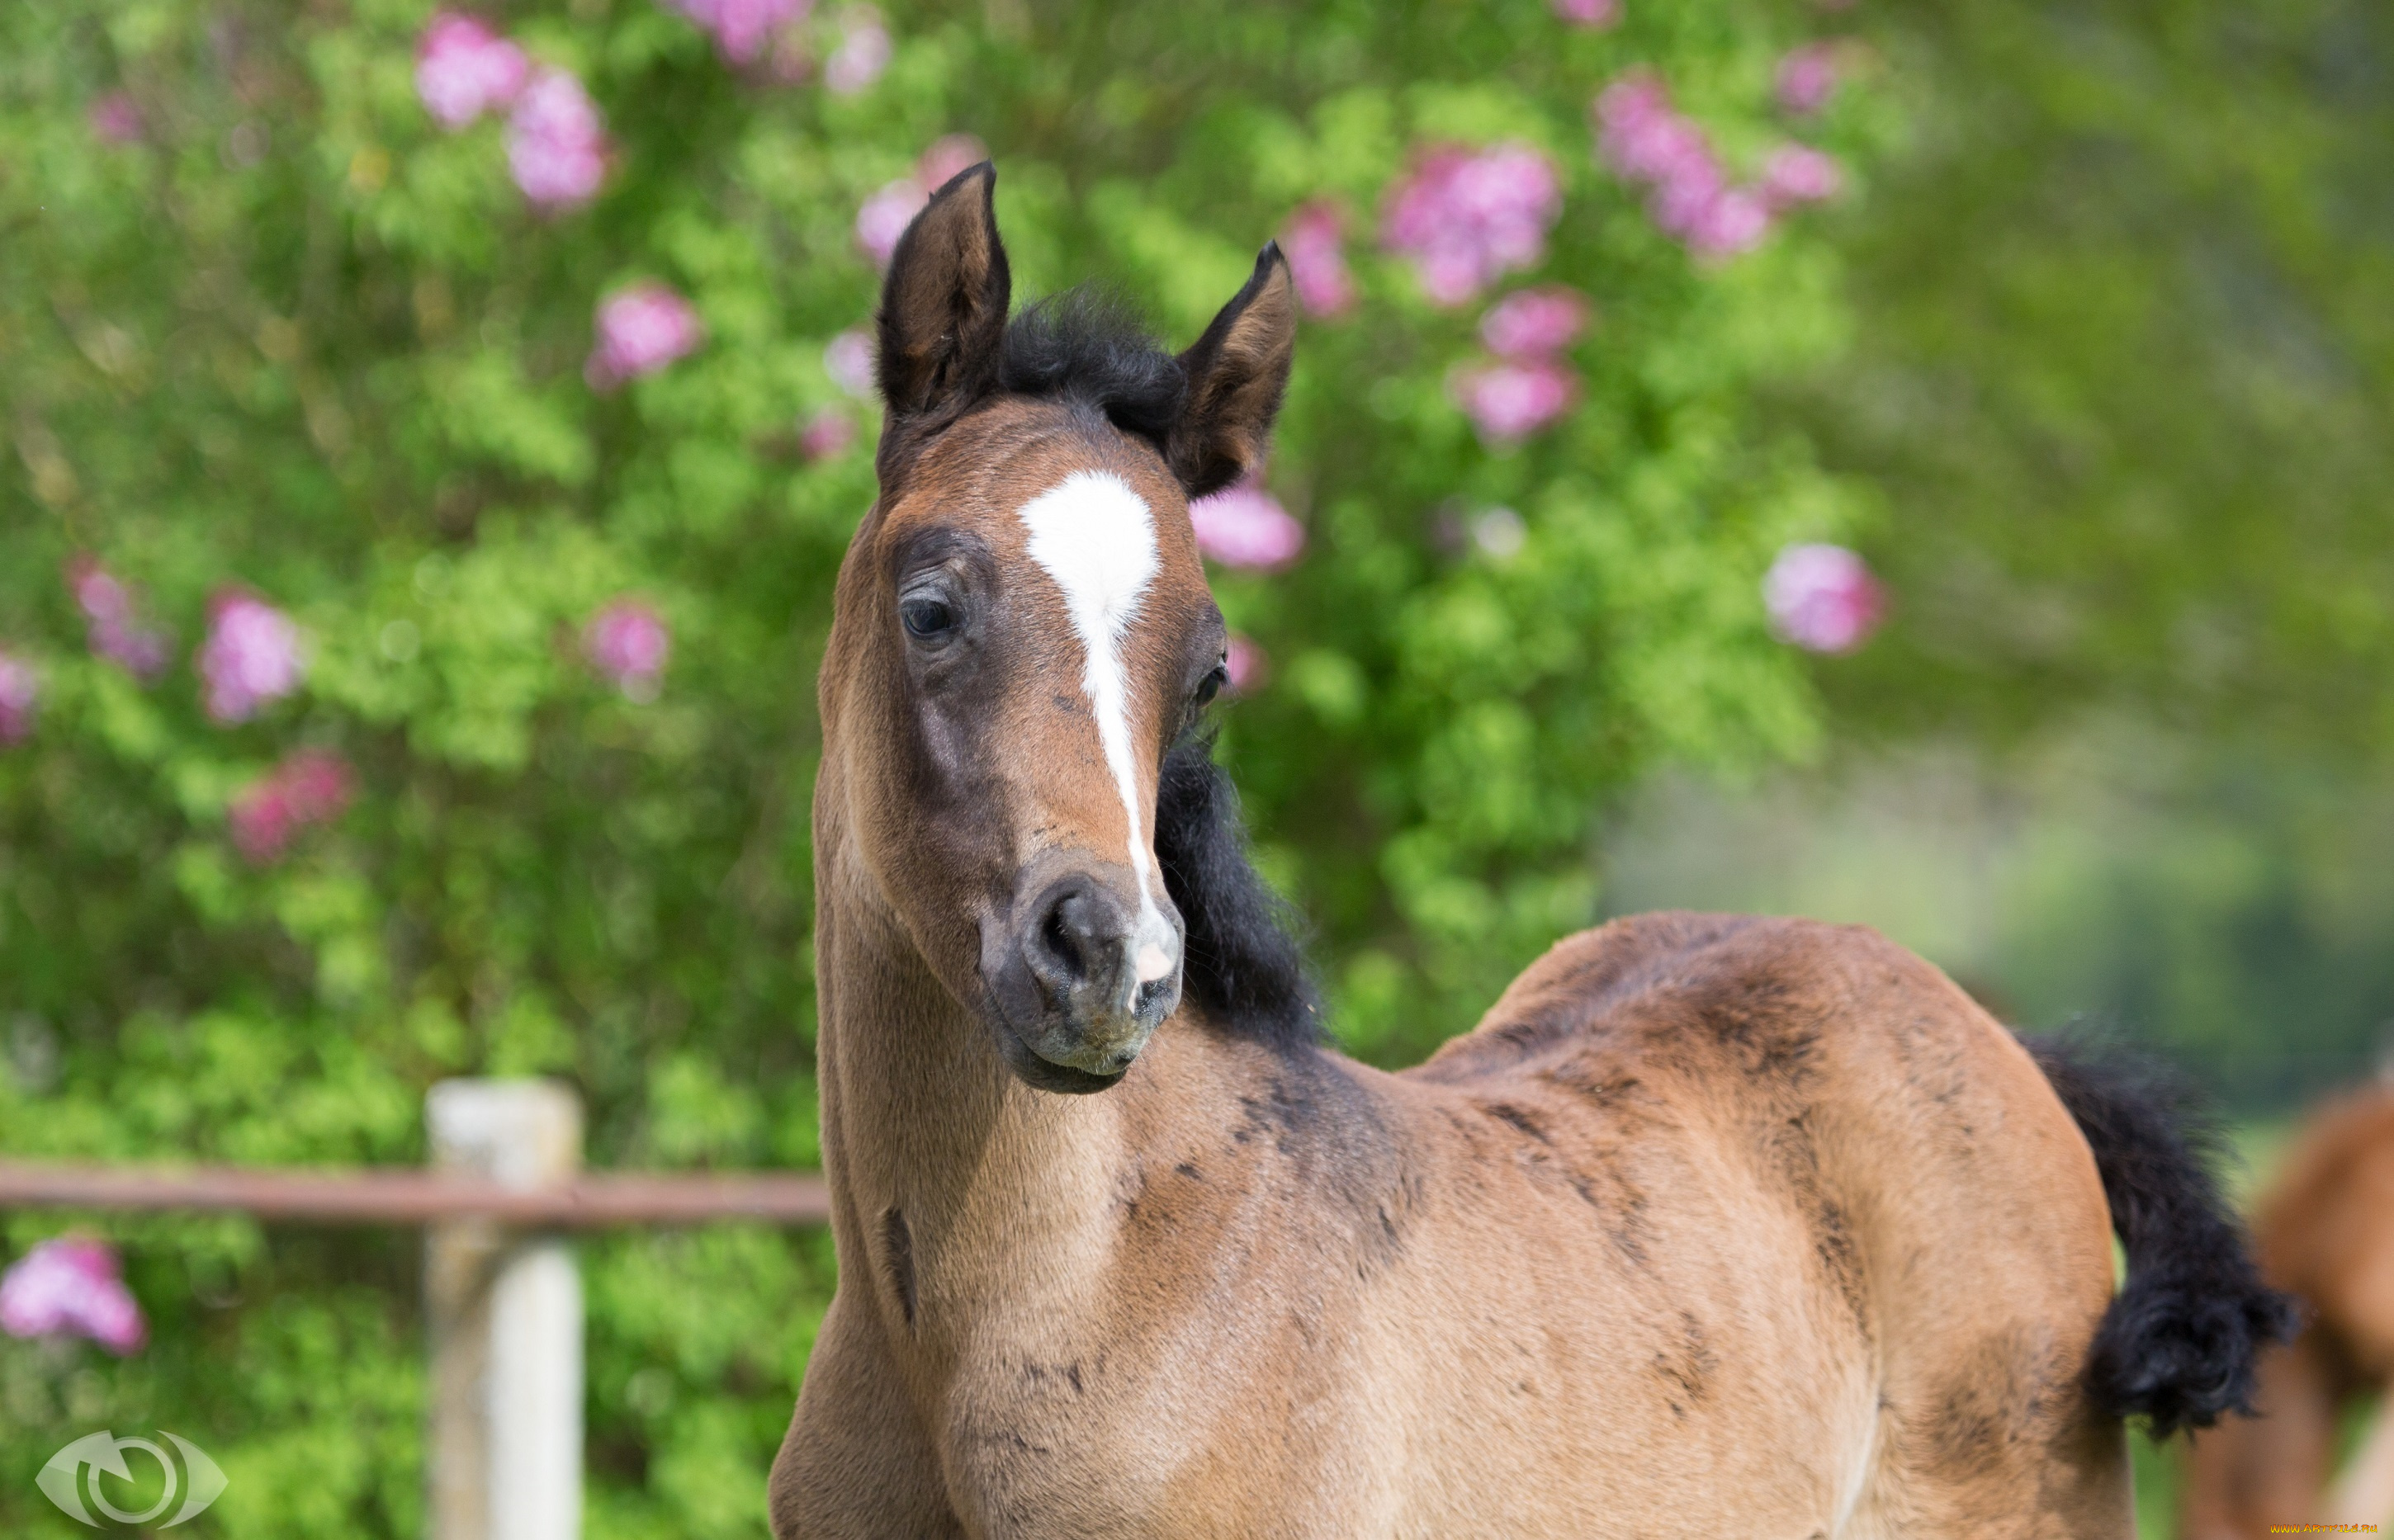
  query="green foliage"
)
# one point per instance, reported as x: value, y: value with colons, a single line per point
x: 2126, y: 368
x: 302, y: 340
x: 2123, y: 372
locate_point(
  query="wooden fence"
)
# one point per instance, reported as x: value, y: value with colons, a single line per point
x: 502, y: 1296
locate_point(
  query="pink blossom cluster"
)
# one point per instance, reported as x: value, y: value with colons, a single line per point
x: 1247, y: 664
x: 115, y: 119
x: 462, y: 70
x: 1822, y: 599
x: 114, y: 629
x: 251, y: 659
x: 1314, y: 244
x: 627, y: 642
x: 72, y: 1286
x: 1527, y: 385
x: 863, y: 52
x: 310, y: 786
x: 886, y: 213
x: 1510, y: 399
x: 641, y: 329
x: 1643, y: 139
x: 557, y: 145
x: 741, y: 27
x: 1466, y: 220
x: 21, y: 698
x: 1533, y: 323
x: 848, y: 358
x: 1245, y: 526
x: 1807, y: 78
x: 828, y: 433
x: 1588, y: 13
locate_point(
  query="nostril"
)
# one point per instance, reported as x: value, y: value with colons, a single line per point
x: 1065, y: 942
x: 1151, y: 995
x: 1075, y: 949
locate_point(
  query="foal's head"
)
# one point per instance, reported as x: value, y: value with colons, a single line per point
x: 1023, y: 631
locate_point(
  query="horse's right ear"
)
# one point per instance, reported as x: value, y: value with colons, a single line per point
x: 942, y: 319
x: 1235, y: 374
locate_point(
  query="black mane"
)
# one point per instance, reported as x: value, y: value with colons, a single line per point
x: 1241, y: 965
x: 1087, y: 346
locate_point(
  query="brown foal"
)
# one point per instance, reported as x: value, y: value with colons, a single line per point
x: 2325, y: 1232
x: 1713, y: 1226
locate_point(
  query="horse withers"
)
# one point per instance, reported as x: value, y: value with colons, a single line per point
x: 1714, y: 1225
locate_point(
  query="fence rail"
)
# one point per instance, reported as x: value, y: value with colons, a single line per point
x: 412, y: 1198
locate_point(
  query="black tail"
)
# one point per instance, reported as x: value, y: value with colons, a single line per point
x: 2177, y: 1345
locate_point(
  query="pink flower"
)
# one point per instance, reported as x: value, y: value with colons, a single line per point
x: 557, y: 148
x: 310, y: 786
x: 827, y: 435
x: 627, y: 642
x: 21, y: 698
x: 641, y: 329
x: 1512, y: 398
x: 848, y: 360
x: 114, y: 119
x: 1247, y: 664
x: 464, y: 69
x: 113, y: 625
x: 1533, y: 323
x: 252, y: 657
x: 741, y: 27
x: 1245, y: 526
x: 1798, y: 174
x: 950, y: 155
x: 70, y: 1285
x: 886, y: 216
x: 1736, y: 221
x: 1808, y: 78
x: 1588, y: 13
x: 1642, y: 138
x: 862, y: 54
x: 1468, y: 220
x: 1317, y: 260
x: 1822, y: 599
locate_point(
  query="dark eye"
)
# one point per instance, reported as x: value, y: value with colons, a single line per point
x: 927, y: 618
x: 1211, y: 685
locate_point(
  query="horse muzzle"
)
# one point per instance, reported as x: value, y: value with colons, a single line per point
x: 1083, y: 975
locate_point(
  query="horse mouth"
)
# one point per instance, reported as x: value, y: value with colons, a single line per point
x: 1041, y: 1073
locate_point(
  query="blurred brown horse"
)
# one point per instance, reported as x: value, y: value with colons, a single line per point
x: 2325, y: 1232
x: 1714, y: 1225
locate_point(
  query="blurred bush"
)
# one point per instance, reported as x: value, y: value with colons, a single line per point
x: 271, y: 336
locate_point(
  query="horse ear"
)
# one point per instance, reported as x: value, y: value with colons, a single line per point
x: 1236, y: 373
x: 942, y: 319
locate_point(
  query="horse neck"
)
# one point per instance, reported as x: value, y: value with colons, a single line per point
x: 922, y: 1119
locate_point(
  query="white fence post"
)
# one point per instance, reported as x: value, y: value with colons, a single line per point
x: 505, y: 1310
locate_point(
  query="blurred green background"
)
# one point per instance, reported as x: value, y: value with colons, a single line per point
x: 2089, y: 358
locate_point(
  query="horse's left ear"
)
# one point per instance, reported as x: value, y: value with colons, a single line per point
x: 943, y: 317
x: 1236, y: 373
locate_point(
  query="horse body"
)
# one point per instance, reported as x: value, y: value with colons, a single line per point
x: 1713, y: 1225
x: 1669, y: 1245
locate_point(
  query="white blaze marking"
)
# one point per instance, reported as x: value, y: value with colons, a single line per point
x: 1096, y: 538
